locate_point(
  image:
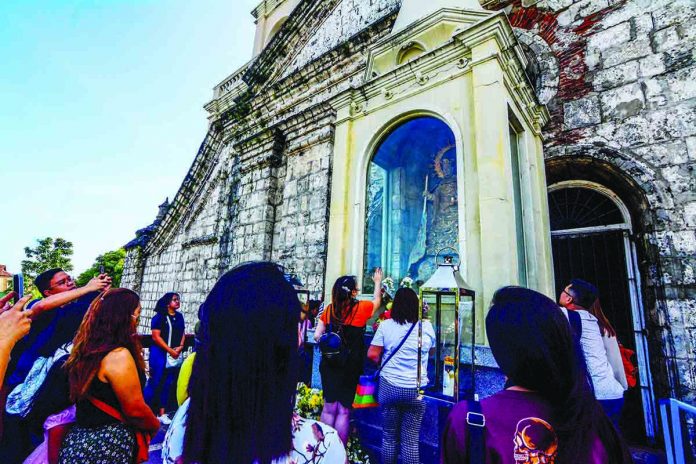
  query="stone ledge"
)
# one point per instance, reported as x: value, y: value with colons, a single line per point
x: 205, y: 240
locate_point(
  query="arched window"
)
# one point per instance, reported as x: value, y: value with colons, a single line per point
x: 412, y: 205
x: 582, y: 207
x: 276, y: 27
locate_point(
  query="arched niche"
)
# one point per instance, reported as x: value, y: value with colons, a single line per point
x: 410, y: 52
x: 275, y: 28
x: 411, y: 200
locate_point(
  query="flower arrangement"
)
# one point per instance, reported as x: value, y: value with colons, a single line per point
x: 406, y: 282
x: 388, y: 283
x: 308, y: 404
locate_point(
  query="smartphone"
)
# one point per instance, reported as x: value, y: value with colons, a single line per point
x: 101, y: 269
x: 18, y: 286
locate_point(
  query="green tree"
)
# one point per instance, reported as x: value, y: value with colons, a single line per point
x: 113, y: 265
x: 49, y: 253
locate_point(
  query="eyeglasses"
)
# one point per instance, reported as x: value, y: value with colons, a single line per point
x: 567, y: 293
x: 62, y: 282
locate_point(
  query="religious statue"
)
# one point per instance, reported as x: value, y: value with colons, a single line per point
x: 439, y: 221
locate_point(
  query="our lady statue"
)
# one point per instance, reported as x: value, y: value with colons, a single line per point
x: 439, y: 221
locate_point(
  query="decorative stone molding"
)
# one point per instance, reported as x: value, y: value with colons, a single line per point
x: 206, y: 240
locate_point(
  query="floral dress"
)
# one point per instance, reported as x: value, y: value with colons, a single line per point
x: 313, y: 442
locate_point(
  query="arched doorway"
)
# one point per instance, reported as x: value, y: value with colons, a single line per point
x: 591, y: 230
x: 411, y: 200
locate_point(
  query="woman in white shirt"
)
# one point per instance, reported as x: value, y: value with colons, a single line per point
x: 599, y: 345
x: 402, y: 407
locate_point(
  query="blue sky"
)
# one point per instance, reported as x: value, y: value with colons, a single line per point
x: 101, y: 112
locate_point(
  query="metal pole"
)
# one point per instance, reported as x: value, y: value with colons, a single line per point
x: 473, y: 347
x: 457, y: 346
x: 420, y: 341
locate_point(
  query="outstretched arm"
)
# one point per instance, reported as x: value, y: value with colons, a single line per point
x: 97, y: 284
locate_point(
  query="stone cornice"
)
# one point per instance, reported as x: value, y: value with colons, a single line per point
x: 512, y: 62
x: 255, y: 148
x: 448, y: 61
x: 303, y: 92
x: 194, y: 182
x: 266, y: 7
x: 279, y: 53
x: 200, y: 241
x: 283, y: 99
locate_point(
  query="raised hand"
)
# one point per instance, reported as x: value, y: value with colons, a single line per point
x: 100, y: 283
x: 15, y: 323
x: 378, y: 276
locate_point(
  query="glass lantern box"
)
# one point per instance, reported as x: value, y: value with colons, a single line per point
x: 448, y: 303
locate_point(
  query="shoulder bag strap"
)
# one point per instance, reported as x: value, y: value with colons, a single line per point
x: 397, y: 349
x: 142, y: 439
x: 476, y: 424
x: 169, y: 338
x: 328, y: 311
x: 106, y: 408
x: 575, y: 324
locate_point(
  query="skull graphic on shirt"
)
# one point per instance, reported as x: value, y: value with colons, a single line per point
x: 535, y: 442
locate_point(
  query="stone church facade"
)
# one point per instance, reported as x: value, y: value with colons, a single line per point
x: 613, y: 110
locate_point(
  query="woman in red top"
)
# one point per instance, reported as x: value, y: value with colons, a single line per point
x: 347, y: 316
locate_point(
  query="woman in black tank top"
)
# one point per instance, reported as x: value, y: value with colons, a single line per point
x: 106, y: 372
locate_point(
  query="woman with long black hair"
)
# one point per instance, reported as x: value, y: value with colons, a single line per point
x: 347, y: 316
x: 244, y: 380
x: 548, y: 413
x: 168, y: 336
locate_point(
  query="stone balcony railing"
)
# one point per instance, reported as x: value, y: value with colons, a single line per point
x: 226, y: 91
x: 230, y: 82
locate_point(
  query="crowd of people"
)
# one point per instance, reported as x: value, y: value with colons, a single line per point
x: 77, y: 388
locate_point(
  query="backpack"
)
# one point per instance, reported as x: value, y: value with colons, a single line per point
x: 630, y: 368
x: 333, y: 346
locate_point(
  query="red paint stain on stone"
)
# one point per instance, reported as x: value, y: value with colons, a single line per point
x: 544, y: 23
x: 573, y: 79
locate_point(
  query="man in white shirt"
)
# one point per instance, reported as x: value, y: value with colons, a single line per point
x: 602, y: 354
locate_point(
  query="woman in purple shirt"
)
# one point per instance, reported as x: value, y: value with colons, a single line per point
x: 548, y: 413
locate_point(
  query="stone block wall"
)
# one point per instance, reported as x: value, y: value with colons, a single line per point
x: 619, y: 78
x: 348, y: 18
x: 132, y: 269
x: 188, y: 261
x: 301, y: 219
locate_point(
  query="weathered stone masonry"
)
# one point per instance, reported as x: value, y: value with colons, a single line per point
x: 626, y: 100
x: 618, y: 78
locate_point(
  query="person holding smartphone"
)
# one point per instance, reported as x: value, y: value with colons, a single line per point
x: 55, y: 320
